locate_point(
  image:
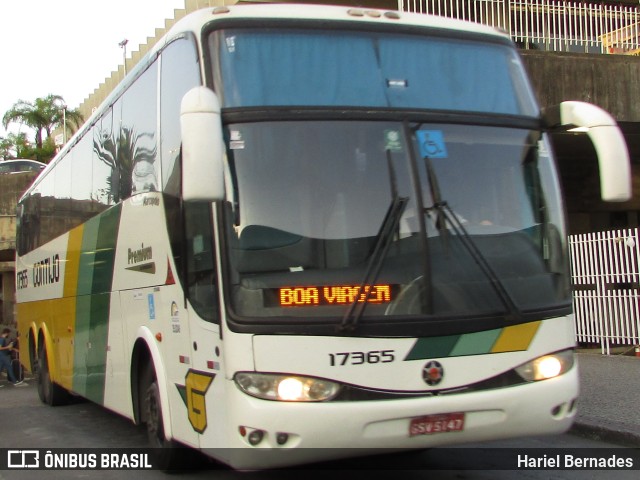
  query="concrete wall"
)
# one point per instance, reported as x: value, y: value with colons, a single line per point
x: 11, y: 188
x: 613, y: 83
x: 609, y: 81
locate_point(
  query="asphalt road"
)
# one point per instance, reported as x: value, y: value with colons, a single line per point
x: 27, y: 424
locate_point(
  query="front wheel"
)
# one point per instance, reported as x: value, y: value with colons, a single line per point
x: 168, y: 454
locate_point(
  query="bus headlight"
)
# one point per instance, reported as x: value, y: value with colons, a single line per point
x: 286, y: 388
x: 547, y: 366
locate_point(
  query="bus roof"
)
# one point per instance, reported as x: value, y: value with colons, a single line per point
x: 196, y: 20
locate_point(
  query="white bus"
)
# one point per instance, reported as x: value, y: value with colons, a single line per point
x: 296, y: 233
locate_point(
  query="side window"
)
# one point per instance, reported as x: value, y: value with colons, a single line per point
x: 82, y: 180
x: 29, y: 223
x: 180, y: 73
x: 106, y: 177
x: 43, y: 208
x: 201, y: 265
x: 190, y: 225
x: 62, y: 192
x: 137, y: 146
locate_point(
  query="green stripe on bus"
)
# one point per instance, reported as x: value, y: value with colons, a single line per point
x: 87, y: 256
x: 507, y: 339
x: 93, y: 303
x: 433, y: 347
x: 96, y: 354
x: 81, y: 344
x: 476, y: 343
x: 106, y: 250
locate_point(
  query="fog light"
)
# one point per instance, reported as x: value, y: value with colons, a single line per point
x: 572, y: 406
x: 282, y: 438
x: 255, y: 437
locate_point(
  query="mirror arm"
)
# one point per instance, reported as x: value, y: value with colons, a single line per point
x: 608, y: 141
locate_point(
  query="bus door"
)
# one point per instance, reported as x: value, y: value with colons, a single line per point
x: 204, y: 386
x: 152, y: 302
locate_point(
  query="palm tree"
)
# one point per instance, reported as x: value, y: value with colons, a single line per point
x: 44, y: 115
x: 15, y: 146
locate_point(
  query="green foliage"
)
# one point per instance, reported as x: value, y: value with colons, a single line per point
x: 43, y: 116
x: 16, y: 146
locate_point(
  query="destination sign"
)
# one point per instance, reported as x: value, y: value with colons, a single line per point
x: 310, y: 296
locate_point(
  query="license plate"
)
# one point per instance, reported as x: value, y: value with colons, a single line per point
x: 441, y: 423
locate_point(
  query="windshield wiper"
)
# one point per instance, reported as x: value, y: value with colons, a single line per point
x: 383, y: 241
x: 445, y: 215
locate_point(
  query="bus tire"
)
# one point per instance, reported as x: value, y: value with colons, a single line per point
x: 33, y: 355
x: 49, y: 392
x: 168, y: 455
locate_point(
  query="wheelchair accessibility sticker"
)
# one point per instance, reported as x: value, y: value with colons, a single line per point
x: 431, y: 144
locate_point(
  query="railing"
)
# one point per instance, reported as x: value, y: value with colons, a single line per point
x: 606, y: 279
x: 555, y: 25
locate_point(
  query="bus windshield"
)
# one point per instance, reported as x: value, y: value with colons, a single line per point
x: 308, y: 200
x: 285, y: 67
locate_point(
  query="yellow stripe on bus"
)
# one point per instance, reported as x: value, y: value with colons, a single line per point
x: 516, y: 338
x: 58, y: 315
x: 64, y: 312
x: 74, y: 247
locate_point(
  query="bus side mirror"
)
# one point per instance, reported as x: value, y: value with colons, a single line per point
x: 202, y: 146
x: 610, y: 146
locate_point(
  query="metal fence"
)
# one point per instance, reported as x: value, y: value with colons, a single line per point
x: 554, y: 25
x: 606, y: 278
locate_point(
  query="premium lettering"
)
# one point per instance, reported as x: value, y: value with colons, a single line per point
x: 140, y: 255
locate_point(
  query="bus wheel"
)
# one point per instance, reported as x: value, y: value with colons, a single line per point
x: 33, y: 357
x: 168, y: 454
x: 49, y: 392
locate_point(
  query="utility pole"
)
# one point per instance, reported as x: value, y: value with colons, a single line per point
x: 123, y: 46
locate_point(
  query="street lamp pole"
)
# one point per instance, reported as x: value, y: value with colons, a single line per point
x: 64, y: 124
x: 123, y: 46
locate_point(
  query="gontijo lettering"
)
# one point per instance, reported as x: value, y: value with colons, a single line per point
x: 47, y: 271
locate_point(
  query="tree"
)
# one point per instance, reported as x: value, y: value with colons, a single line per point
x: 15, y: 145
x: 44, y: 115
x: 6, y: 147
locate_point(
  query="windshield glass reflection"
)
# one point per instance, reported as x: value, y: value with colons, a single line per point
x: 308, y: 201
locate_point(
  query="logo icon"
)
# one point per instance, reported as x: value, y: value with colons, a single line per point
x: 23, y: 459
x: 432, y: 373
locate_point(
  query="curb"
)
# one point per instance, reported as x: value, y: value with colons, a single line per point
x: 617, y: 433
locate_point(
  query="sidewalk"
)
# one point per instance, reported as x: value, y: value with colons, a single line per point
x: 609, y: 402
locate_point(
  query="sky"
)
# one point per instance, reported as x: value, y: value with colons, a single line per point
x: 68, y: 47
